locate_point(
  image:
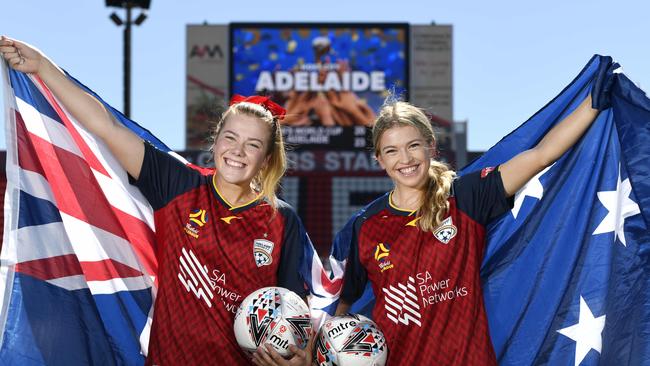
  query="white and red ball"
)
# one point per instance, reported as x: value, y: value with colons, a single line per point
x: 350, y: 340
x: 272, y: 315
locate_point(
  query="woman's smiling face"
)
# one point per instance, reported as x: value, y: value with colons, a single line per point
x: 241, y: 149
x: 405, y: 155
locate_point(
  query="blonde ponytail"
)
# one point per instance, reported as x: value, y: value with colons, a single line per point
x: 435, y: 205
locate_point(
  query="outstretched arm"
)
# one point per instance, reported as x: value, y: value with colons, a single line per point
x: 523, y: 167
x: 127, y: 147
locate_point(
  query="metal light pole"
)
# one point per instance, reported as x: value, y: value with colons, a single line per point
x: 128, y: 6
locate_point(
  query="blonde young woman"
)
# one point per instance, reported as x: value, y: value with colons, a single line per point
x: 245, y: 238
x: 428, y: 236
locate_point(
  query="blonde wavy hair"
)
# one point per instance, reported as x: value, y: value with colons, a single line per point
x: 267, y: 180
x: 434, y: 205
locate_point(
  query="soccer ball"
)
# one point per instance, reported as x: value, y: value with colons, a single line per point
x: 272, y: 315
x: 350, y: 340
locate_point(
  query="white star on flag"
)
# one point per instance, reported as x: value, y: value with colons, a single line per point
x: 587, y: 333
x: 533, y: 189
x: 620, y: 206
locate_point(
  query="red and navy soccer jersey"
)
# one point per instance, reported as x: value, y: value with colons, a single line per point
x: 429, y: 302
x: 211, y: 256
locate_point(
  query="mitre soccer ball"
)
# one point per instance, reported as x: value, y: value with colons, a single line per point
x: 272, y: 315
x: 350, y: 340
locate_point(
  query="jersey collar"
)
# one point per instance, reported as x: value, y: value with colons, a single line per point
x: 228, y: 205
x: 396, y: 210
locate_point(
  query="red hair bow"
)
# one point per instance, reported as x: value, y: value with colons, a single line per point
x: 275, y: 109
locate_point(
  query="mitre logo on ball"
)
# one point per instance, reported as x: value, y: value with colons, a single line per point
x: 275, y: 316
x: 350, y: 340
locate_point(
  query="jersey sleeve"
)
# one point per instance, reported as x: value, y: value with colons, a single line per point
x: 292, y: 257
x: 163, y: 177
x: 355, y: 277
x: 481, y: 195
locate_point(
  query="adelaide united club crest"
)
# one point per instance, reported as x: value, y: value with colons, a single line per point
x: 262, y: 252
x: 446, y: 231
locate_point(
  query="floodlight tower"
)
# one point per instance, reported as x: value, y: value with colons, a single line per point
x: 128, y: 5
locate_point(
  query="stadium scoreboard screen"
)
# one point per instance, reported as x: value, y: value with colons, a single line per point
x: 331, y: 78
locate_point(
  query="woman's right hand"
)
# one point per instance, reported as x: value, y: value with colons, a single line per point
x: 21, y: 56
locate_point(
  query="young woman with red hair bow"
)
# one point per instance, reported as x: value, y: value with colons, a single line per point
x: 219, y: 236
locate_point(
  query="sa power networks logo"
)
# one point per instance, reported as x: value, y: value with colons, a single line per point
x: 446, y: 231
x: 262, y: 250
x: 402, y: 303
x: 406, y: 302
x: 195, y: 277
x: 207, y: 285
x: 197, y: 219
x: 381, y: 256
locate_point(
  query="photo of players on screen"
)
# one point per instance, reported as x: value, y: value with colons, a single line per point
x: 324, y: 76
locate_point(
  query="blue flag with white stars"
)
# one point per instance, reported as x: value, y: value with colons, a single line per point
x: 566, y: 276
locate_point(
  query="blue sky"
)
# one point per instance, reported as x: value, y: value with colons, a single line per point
x: 509, y: 59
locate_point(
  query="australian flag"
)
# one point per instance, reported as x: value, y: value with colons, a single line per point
x: 566, y: 276
x: 78, y: 270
